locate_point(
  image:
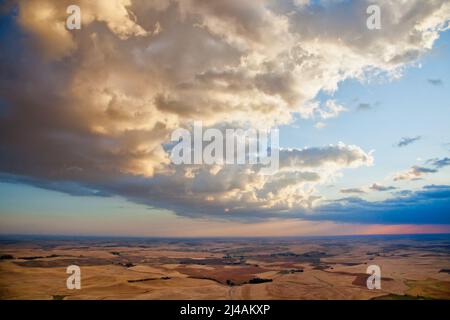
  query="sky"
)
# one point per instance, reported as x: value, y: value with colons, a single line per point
x: 86, y: 117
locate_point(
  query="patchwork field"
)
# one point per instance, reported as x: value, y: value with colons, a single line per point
x: 412, y: 267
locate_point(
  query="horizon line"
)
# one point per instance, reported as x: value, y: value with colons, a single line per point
x: 2, y: 235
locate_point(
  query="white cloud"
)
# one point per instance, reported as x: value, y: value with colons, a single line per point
x: 414, y: 173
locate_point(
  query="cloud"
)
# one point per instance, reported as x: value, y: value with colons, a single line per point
x: 69, y: 187
x: 435, y: 82
x: 377, y: 187
x: 94, y: 109
x: 428, y: 205
x: 227, y: 191
x: 439, y: 163
x: 414, y: 173
x: 320, y: 125
x: 331, y: 109
x: 332, y: 156
x: 46, y: 20
x: 407, y: 141
x: 364, y: 107
x: 353, y: 190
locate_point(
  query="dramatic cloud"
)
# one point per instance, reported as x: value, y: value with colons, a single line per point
x: 377, y: 187
x: 229, y: 191
x: 407, y: 141
x: 90, y: 111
